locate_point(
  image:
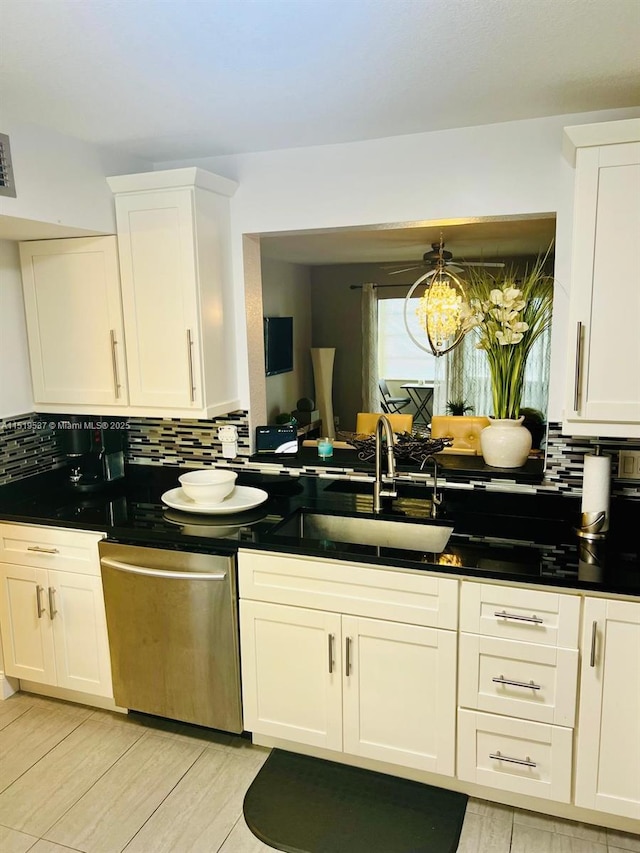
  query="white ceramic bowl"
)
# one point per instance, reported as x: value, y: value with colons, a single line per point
x: 208, y: 486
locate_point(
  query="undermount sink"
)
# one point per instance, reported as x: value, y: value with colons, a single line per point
x: 426, y: 536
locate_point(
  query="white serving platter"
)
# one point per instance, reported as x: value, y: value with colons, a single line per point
x: 241, y: 498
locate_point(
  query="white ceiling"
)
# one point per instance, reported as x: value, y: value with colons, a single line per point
x: 175, y: 79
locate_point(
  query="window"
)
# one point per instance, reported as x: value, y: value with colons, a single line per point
x: 398, y: 356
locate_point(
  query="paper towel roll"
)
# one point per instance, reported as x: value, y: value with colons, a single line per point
x: 596, y: 486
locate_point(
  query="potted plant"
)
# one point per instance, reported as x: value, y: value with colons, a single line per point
x: 534, y: 421
x: 458, y: 408
x: 508, y: 314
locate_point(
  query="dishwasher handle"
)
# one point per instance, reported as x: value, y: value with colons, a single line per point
x: 162, y: 573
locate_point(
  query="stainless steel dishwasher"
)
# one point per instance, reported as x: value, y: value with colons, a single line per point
x: 173, y: 633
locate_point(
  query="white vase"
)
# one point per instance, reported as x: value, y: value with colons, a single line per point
x: 322, y: 360
x: 505, y: 443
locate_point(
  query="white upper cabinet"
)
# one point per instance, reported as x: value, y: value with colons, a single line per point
x: 173, y: 235
x: 603, y: 389
x: 74, y: 322
x: 141, y: 324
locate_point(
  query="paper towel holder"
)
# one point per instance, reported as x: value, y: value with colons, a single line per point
x: 591, y: 524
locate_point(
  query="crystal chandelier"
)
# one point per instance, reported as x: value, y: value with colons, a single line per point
x: 439, y: 309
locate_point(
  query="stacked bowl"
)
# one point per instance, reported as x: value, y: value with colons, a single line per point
x: 208, y: 486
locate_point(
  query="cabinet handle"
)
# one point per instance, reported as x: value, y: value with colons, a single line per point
x: 52, y: 603
x: 504, y: 615
x: 594, y: 635
x: 503, y: 680
x: 576, y: 379
x: 42, y: 550
x: 331, y: 639
x: 192, y: 387
x: 114, y: 362
x: 347, y: 656
x: 39, y: 606
x: 527, y: 762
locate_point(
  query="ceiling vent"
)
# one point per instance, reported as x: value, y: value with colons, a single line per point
x: 7, y: 186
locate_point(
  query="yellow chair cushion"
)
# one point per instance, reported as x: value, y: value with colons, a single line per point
x: 464, y: 429
x: 366, y: 422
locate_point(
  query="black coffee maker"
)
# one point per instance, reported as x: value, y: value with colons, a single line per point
x: 94, y: 450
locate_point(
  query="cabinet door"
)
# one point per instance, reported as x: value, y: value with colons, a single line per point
x: 608, y: 760
x: 74, y: 321
x: 604, y: 292
x: 399, y: 693
x: 27, y: 635
x: 159, y: 295
x: 291, y: 673
x: 76, y: 607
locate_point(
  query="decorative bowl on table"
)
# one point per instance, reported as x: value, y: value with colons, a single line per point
x: 208, y: 486
x: 409, y: 447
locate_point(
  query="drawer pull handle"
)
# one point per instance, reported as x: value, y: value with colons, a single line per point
x: 594, y: 637
x: 347, y: 656
x: 52, y: 603
x: 39, y: 606
x: 504, y: 615
x: 527, y: 762
x: 42, y: 550
x: 114, y: 363
x: 331, y: 639
x: 192, y: 386
x: 578, y: 366
x: 503, y: 680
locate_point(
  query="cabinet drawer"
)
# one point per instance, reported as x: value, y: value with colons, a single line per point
x: 515, y: 755
x: 547, y: 618
x: 518, y: 679
x: 50, y: 548
x: 359, y: 590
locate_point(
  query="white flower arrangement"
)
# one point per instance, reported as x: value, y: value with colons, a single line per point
x: 508, y: 316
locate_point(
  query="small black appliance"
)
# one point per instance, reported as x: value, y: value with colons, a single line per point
x: 94, y: 451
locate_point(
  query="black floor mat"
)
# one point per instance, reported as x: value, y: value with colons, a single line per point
x: 305, y: 805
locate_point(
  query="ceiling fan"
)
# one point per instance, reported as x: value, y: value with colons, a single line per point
x: 440, y: 257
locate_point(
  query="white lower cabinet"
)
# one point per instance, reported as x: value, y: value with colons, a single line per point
x: 517, y: 689
x: 289, y: 689
x: 515, y: 755
x: 52, y: 620
x: 399, y: 693
x: 364, y: 686
x: 608, y: 743
x: 322, y: 667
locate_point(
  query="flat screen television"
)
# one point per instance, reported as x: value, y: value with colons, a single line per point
x: 278, y: 345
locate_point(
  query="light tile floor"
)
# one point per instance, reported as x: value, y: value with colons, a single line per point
x: 76, y: 779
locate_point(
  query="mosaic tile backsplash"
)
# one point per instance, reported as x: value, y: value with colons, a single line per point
x: 29, y: 445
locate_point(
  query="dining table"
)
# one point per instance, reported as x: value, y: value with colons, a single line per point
x: 421, y: 394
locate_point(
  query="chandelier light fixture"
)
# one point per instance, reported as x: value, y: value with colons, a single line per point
x: 439, y: 309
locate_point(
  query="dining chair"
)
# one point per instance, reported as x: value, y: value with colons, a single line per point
x: 366, y: 422
x: 391, y: 405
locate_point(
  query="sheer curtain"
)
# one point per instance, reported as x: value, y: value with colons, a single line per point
x: 370, y: 391
x: 469, y: 377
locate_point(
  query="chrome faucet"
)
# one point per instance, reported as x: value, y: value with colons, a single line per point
x: 436, y: 499
x: 383, y: 426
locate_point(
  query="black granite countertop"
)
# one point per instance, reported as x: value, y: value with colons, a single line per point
x: 511, y: 537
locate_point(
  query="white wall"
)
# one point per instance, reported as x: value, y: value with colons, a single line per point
x: 287, y: 293
x: 15, y: 378
x: 60, y: 182
x: 493, y: 170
